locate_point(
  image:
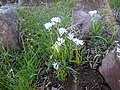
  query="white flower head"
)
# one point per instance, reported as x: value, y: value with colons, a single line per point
x: 78, y: 42
x: 70, y: 36
x: 56, y: 19
x: 56, y: 46
x: 62, y: 31
x: 55, y: 65
x: 94, y: 15
x: 60, y: 41
x: 48, y: 25
x: 93, y: 12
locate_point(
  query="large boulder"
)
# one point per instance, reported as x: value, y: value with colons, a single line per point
x: 110, y: 69
x: 8, y: 27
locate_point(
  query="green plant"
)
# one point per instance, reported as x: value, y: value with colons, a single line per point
x: 17, y: 71
x: 60, y: 46
x: 103, y: 37
x: 96, y: 27
x: 114, y: 3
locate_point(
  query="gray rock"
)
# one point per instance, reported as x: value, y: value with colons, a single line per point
x: 110, y: 69
x: 81, y: 17
x: 80, y: 21
x: 8, y: 27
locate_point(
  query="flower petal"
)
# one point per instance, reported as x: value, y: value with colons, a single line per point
x: 60, y: 40
x: 70, y: 36
x: 55, y: 65
x: 62, y: 31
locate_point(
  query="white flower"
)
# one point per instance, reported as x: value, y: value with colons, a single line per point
x: 48, y: 25
x: 51, y: 56
x: 56, y: 19
x: 62, y: 31
x: 55, y: 65
x: 56, y: 46
x: 78, y: 42
x: 70, y: 36
x: 58, y: 43
x: 92, y: 13
x: 11, y: 70
x: 60, y: 40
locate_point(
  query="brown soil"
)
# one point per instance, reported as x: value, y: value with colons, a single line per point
x: 85, y: 79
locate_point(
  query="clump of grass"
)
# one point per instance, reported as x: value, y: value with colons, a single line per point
x: 114, y: 3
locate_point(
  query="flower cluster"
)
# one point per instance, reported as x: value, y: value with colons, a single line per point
x: 94, y: 15
x: 53, y: 21
x: 61, y: 37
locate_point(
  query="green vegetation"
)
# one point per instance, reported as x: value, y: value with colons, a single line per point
x: 19, y: 68
x: 114, y: 3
